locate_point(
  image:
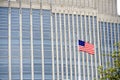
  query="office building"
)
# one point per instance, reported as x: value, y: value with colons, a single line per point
x: 39, y: 38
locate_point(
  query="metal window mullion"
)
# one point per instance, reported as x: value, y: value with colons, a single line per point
x: 57, y: 57
x: 42, y: 44
x: 75, y: 52
x: 91, y: 55
x: 90, y: 42
x: 102, y: 43
x: 115, y: 36
x: 9, y: 41
x: 52, y: 38
x: 86, y: 38
x: 110, y: 44
x: 98, y: 42
x: 41, y: 36
x: 61, y: 49
x: 105, y: 42
x: 111, y: 37
x: 82, y: 37
x: 89, y: 32
x: 79, y: 66
x: 31, y: 43
x: 108, y: 49
x: 65, y: 48
x: 21, y: 63
x: 70, y: 46
x: 112, y: 40
x: 95, y: 58
x: 118, y: 31
x: 21, y: 55
x: 100, y: 37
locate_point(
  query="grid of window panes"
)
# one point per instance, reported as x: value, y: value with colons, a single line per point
x: 37, y: 44
x: 86, y: 29
x: 67, y: 30
x: 26, y: 44
x: 15, y: 44
x: 47, y: 45
x: 3, y: 43
x: 109, y: 35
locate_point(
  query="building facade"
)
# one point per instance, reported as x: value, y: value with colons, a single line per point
x: 39, y: 38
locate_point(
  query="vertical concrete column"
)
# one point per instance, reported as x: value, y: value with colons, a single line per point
x: 42, y: 37
x: 52, y: 42
x: 66, y: 62
x: 57, y: 53
x: 78, y: 37
x: 21, y: 55
x: 9, y: 40
x: 31, y: 42
x: 61, y: 49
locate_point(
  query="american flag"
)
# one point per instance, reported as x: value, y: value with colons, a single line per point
x: 86, y: 47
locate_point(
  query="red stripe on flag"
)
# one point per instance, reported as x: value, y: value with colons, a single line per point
x: 89, y: 48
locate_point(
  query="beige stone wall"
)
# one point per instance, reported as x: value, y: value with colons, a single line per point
x: 106, y: 7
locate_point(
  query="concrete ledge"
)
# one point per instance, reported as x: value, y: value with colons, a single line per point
x: 64, y: 8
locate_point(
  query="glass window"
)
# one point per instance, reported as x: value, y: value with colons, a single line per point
x: 26, y: 34
x: 47, y: 43
x: 3, y: 76
x: 15, y: 52
x: 26, y: 53
x: 26, y: 76
x: 15, y: 34
x: 37, y: 53
x: 3, y: 23
x: 26, y: 20
x: 3, y: 41
x: 15, y: 76
x: 15, y: 22
x: 3, y: 52
x: 26, y: 60
x: 3, y: 33
x: 24, y: 46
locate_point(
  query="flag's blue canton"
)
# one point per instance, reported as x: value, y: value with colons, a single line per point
x: 82, y: 43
